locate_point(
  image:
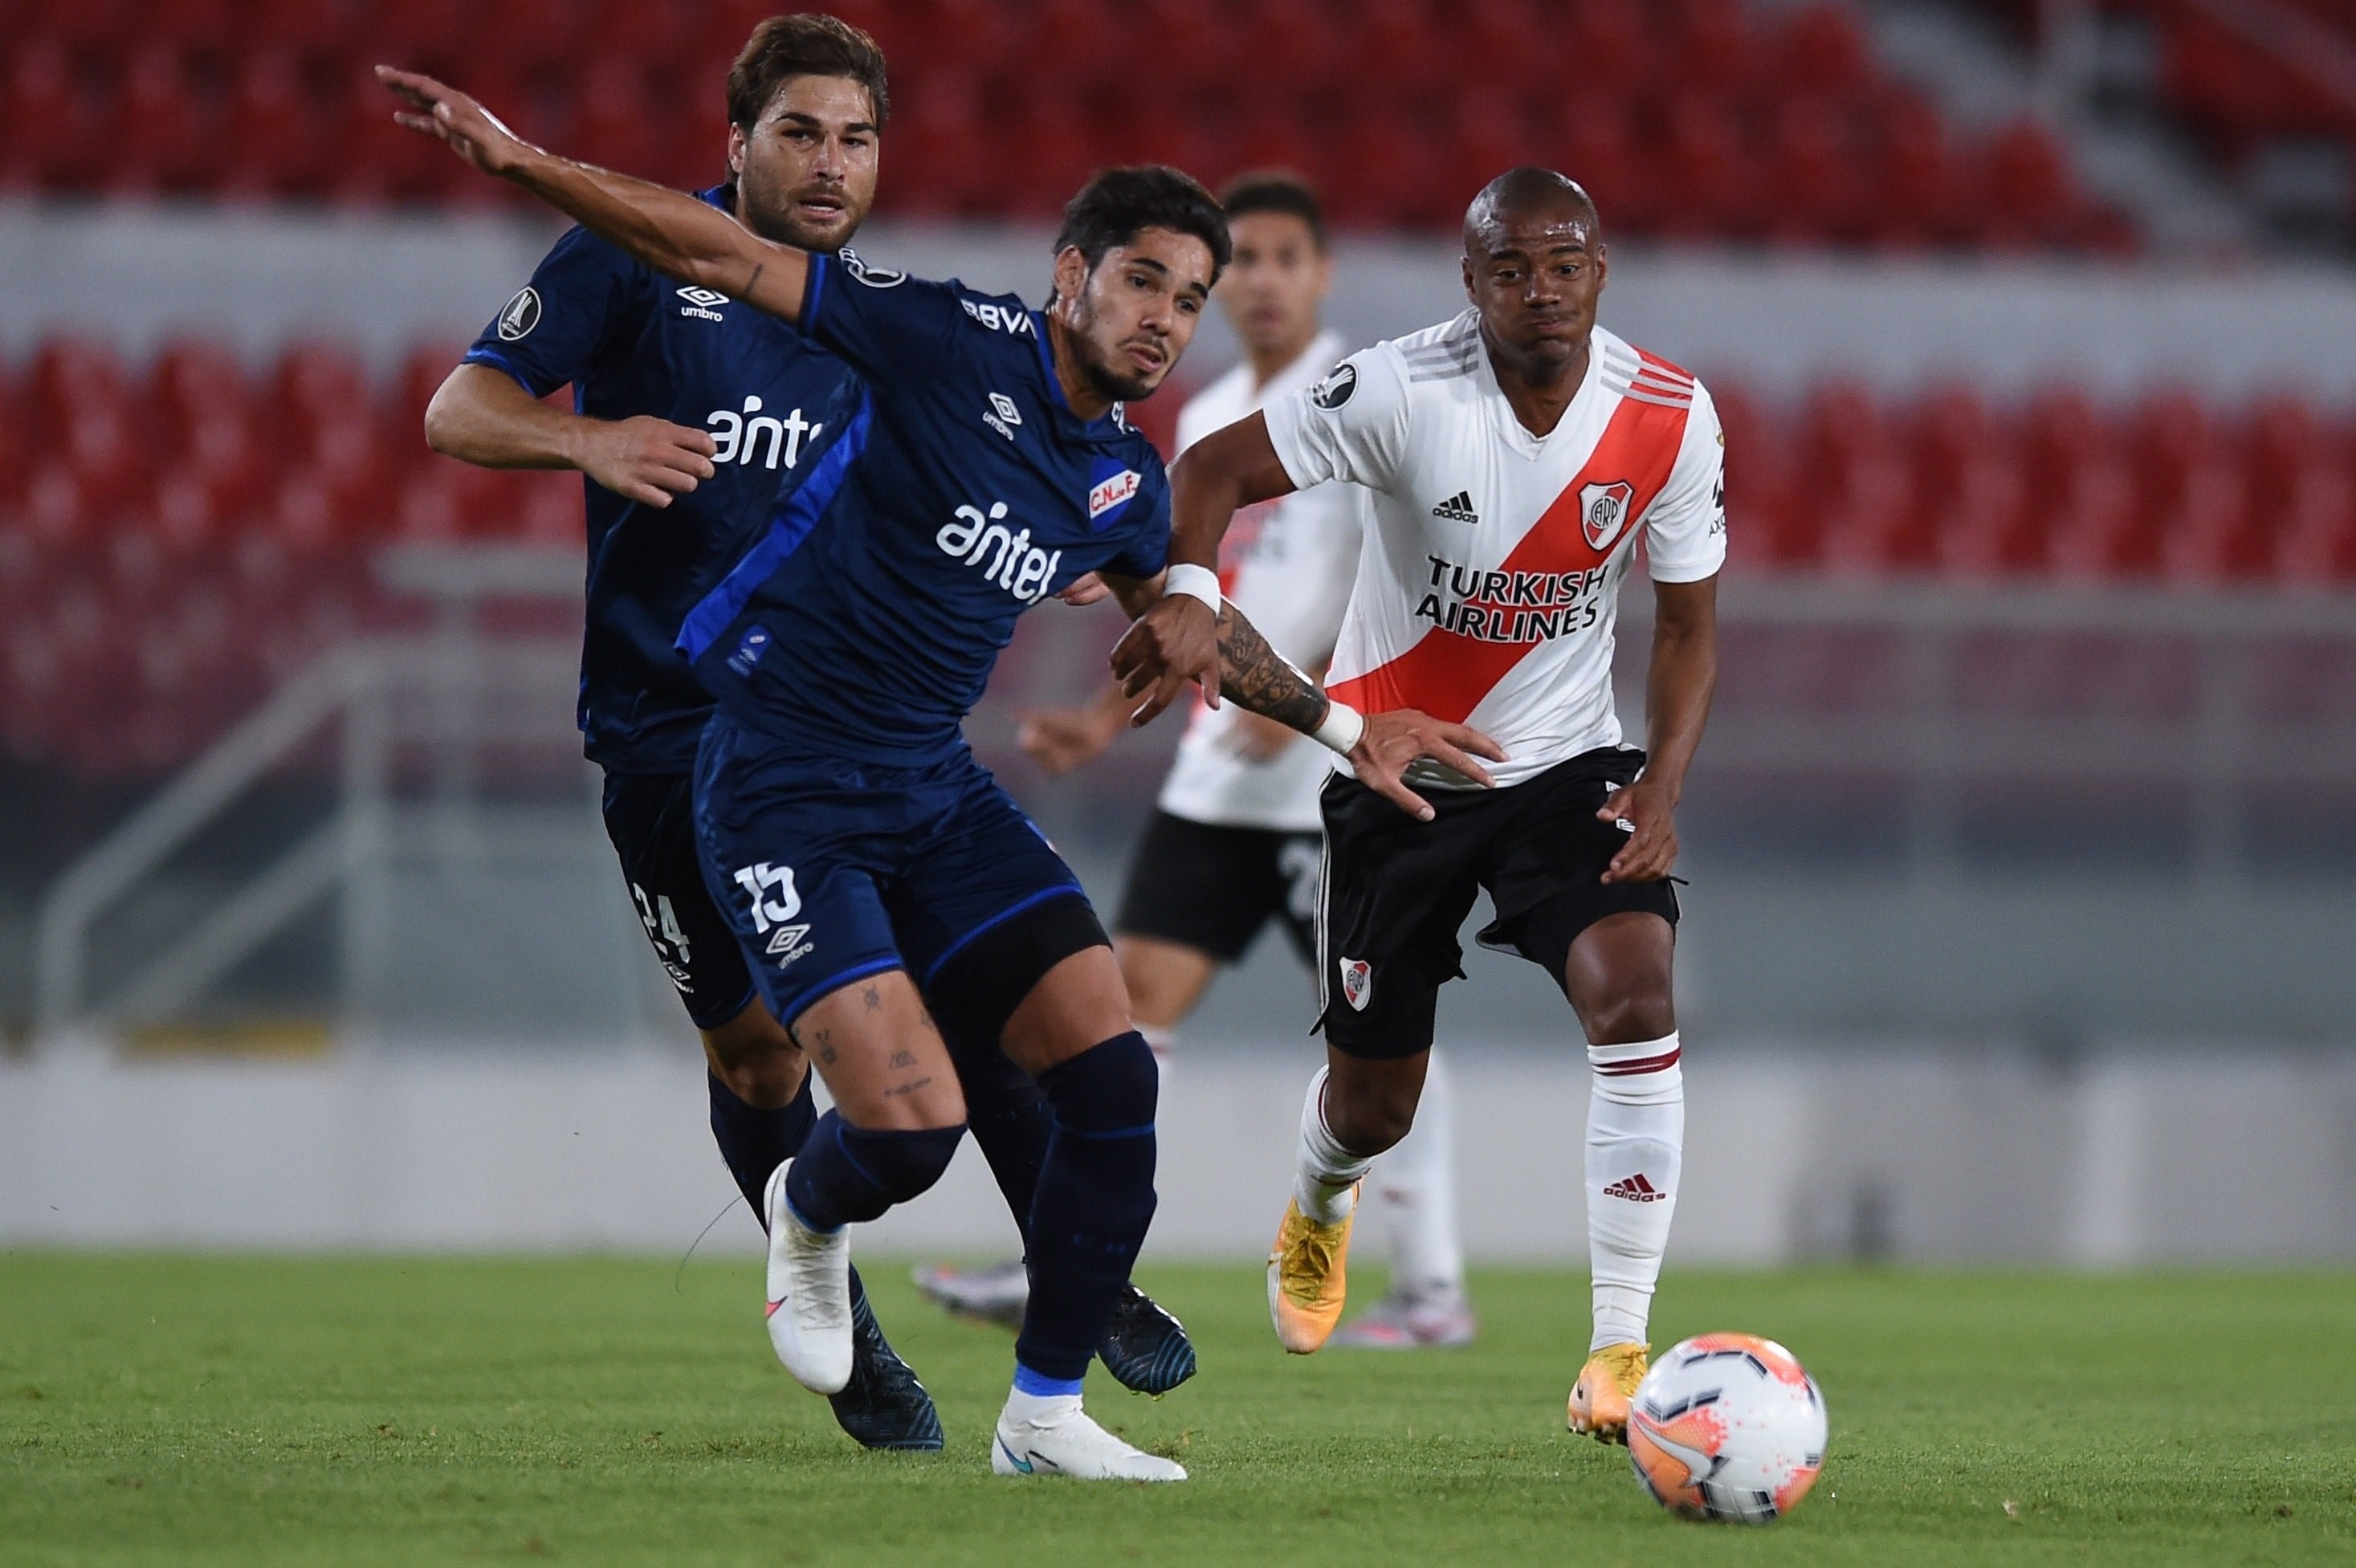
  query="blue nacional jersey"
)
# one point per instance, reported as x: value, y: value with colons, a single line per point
x: 956, y: 490
x: 631, y: 341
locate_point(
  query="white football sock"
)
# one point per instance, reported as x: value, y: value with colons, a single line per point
x: 1325, y: 1181
x: 1414, y: 1188
x: 1635, y: 1146
x: 1041, y: 1409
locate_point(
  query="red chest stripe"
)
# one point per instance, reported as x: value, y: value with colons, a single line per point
x: 1446, y: 673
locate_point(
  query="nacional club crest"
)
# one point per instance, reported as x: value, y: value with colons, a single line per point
x: 1603, y: 512
x: 1357, y: 982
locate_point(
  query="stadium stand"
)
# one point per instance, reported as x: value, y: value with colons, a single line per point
x: 178, y: 538
x: 1703, y: 118
x: 2244, y: 73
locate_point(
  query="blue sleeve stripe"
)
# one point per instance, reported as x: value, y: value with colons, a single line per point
x: 498, y: 361
x: 812, y: 288
x: 786, y: 533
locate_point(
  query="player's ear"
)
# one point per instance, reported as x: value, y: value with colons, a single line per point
x: 735, y: 152
x: 1603, y: 265
x: 1071, y: 273
x: 1470, y: 292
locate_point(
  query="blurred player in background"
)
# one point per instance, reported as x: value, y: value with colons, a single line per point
x: 1237, y: 839
x: 1516, y: 455
x: 693, y: 409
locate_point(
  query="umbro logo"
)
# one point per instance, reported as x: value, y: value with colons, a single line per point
x: 1457, y: 508
x: 787, y: 944
x: 704, y: 304
x: 1635, y: 1189
x: 1003, y: 416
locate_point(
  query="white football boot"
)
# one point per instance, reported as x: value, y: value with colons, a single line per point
x: 1056, y: 1438
x: 810, y: 1294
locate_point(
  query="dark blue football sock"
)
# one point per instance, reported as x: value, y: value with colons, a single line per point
x: 755, y: 1142
x: 845, y: 1175
x: 1008, y: 1117
x: 1095, y: 1202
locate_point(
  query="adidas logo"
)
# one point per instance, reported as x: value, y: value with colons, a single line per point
x: 1458, y: 509
x: 1635, y: 1189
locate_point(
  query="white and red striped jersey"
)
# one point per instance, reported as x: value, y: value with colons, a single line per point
x: 1288, y: 565
x: 1489, y: 582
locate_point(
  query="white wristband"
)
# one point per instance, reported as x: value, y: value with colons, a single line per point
x: 1344, y: 724
x: 1194, y: 583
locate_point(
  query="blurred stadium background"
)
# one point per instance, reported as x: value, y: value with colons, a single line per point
x: 2023, y: 845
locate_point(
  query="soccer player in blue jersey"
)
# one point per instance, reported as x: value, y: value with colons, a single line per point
x: 859, y: 849
x: 689, y: 410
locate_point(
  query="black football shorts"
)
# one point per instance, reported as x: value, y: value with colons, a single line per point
x: 1212, y: 888
x: 650, y: 817
x: 1397, y: 892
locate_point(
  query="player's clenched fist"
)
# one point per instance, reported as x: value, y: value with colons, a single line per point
x: 472, y: 131
x: 1175, y: 641
x: 644, y: 458
x: 1393, y: 742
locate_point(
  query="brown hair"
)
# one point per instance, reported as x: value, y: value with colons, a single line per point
x: 814, y: 44
x: 1273, y: 190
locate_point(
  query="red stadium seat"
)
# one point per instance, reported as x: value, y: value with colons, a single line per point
x: 1714, y: 50
x: 1918, y: 195
x: 1050, y: 155
x: 939, y: 158
x: 167, y: 140
x: 277, y: 138
x: 1289, y: 51
x: 1824, y: 52
x: 1392, y: 51
x: 1189, y: 43
x: 1616, y: 53
x: 1513, y: 42
x: 613, y: 121
x: 652, y: 33
x: 1862, y: 495
x: 53, y: 124
x: 2028, y: 198
x: 1813, y: 191
x: 1759, y: 475
x: 1594, y: 143
x: 1708, y: 186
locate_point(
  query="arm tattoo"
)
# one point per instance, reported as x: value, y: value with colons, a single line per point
x: 1257, y: 677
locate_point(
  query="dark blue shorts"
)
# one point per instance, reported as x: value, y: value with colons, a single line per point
x: 827, y: 871
x: 650, y: 817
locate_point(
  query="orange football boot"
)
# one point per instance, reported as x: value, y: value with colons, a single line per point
x: 1598, y: 1400
x: 1307, y: 1277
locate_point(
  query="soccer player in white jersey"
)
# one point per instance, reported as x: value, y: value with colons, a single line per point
x: 1517, y: 455
x: 1236, y: 840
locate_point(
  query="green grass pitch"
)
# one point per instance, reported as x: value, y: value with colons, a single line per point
x: 246, y: 1410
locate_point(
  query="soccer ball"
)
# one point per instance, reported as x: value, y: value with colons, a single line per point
x: 1727, y: 1426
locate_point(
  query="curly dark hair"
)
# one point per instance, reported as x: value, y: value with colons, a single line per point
x: 783, y: 48
x: 1116, y: 204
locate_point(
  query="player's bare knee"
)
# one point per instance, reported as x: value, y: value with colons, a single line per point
x: 1645, y: 1012
x: 756, y: 1059
x: 1369, y: 1117
x: 1078, y: 1004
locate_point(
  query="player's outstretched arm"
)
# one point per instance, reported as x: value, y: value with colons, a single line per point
x: 1677, y: 705
x: 674, y: 233
x: 1177, y: 640
x: 1381, y: 746
x: 485, y: 417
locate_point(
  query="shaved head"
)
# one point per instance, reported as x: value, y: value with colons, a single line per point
x: 1533, y: 266
x: 1526, y: 194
